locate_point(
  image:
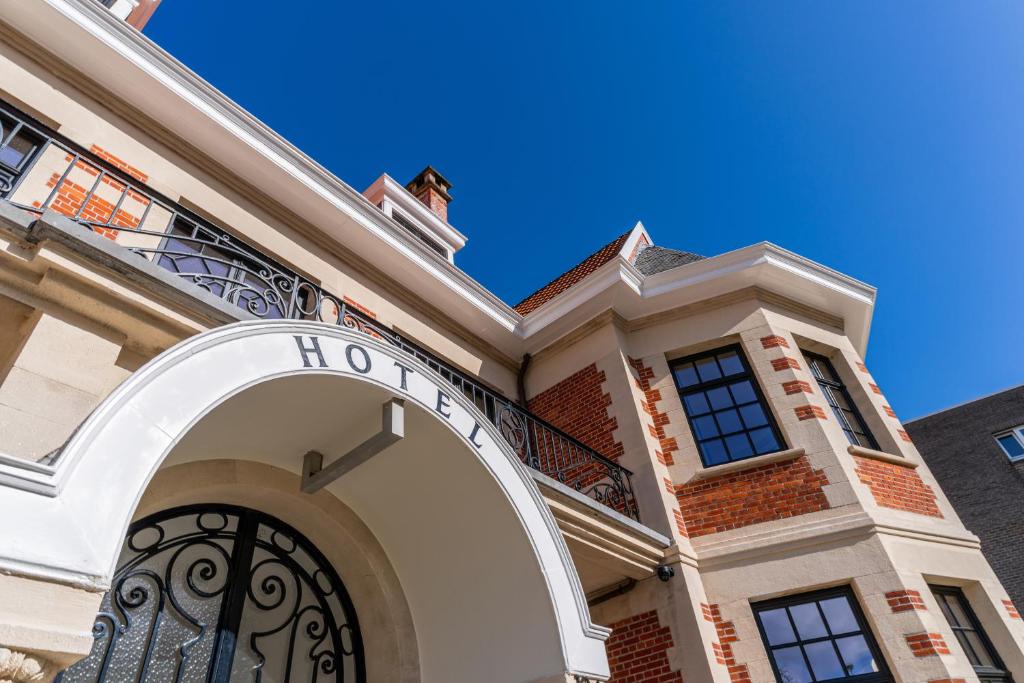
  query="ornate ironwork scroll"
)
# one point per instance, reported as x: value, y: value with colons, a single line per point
x: 219, y: 593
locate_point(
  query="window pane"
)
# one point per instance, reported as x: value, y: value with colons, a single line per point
x: 791, y: 665
x: 728, y: 412
x: 729, y: 421
x: 707, y: 368
x: 686, y: 376
x: 743, y: 392
x: 856, y: 655
x: 764, y: 440
x: 982, y: 652
x: 720, y: 398
x: 1011, y: 446
x: 714, y: 452
x: 730, y: 363
x: 808, y: 621
x: 739, y: 446
x: 753, y: 415
x: 824, y: 661
x: 696, y: 404
x: 956, y: 610
x: 839, y: 615
x: 705, y: 427
x: 777, y: 627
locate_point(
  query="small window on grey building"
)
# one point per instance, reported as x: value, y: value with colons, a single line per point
x: 970, y: 635
x: 1012, y: 443
x: 820, y: 636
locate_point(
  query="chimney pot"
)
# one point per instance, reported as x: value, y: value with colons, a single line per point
x: 431, y: 188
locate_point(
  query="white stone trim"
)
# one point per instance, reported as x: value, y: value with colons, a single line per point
x: 746, y: 464
x: 881, y: 457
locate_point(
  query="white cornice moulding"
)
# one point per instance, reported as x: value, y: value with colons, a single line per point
x: 154, y: 76
x: 762, y: 264
x: 206, y: 100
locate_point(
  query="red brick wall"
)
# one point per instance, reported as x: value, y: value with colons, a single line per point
x: 579, y: 406
x: 658, y: 419
x: 897, y: 487
x: 761, y: 494
x: 638, y: 650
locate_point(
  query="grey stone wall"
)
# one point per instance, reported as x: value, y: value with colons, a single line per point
x: 986, y: 489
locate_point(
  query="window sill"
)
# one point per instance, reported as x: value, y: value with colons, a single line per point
x: 880, y: 456
x: 746, y: 464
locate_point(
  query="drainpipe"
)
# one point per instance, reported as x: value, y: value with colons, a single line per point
x: 521, y: 379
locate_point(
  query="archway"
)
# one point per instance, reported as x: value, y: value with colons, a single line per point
x: 482, y: 565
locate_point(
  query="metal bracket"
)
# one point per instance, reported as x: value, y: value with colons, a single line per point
x: 315, y: 476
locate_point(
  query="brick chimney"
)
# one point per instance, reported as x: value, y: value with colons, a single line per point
x: 431, y: 188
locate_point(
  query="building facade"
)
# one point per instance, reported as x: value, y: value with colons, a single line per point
x: 255, y: 424
x: 976, y: 451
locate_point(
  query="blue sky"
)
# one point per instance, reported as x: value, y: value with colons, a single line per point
x: 885, y: 140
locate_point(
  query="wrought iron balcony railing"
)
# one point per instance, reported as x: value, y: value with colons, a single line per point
x: 40, y: 170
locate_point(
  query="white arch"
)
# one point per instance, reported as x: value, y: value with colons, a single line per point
x: 75, y: 536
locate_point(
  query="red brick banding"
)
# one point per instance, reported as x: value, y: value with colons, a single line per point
x: 905, y: 601
x: 927, y: 644
x: 649, y: 404
x: 862, y: 367
x: 1011, y: 609
x: 119, y: 163
x: 785, y: 363
x: 897, y: 487
x: 638, y: 650
x: 359, y: 307
x: 797, y: 386
x: 889, y: 411
x: 723, y: 648
x: 874, y: 388
x: 761, y: 494
x: 903, y: 435
x: 774, y: 341
x: 809, y: 412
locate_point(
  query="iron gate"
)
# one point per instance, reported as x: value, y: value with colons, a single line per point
x: 219, y: 593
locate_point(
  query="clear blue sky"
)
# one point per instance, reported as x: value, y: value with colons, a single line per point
x: 883, y: 139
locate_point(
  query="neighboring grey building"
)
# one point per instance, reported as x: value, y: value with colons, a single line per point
x: 976, y: 451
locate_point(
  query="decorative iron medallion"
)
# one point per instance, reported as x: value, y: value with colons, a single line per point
x: 218, y: 593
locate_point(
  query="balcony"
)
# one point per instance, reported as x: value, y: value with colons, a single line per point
x: 40, y: 170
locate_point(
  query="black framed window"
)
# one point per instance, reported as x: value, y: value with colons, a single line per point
x: 839, y: 398
x: 727, y: 412
x: 820, y: 636
x: 967, y: 629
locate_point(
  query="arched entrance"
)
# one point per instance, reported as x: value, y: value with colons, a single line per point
x: 222, y: 593
x: 480, y: 584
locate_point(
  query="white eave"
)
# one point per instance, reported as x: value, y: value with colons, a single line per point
x: 84, y: 34
x: 619, y: 286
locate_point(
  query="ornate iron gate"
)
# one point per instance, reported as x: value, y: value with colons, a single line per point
x: 217, y: 593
